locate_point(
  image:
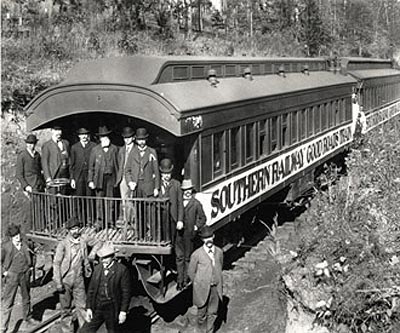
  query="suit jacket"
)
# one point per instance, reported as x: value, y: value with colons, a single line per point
x: 29, y: 170
x: 174, y: 193
x: 80, y: 159
x: 8, y: 251
x: 121, y: 162
x: 151, y: 174
x: 119, y: 287
x: 62, y: 258
x: 200, y: 272
x: 97, y: 165
x: 193, y: 214
x: 51, y: 158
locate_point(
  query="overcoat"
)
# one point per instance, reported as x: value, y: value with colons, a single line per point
x: 193, y: 214
x: 121, y: 162
x: 119, y: 287
x: 200, y: 273
x: 51, y: 158
x: 8, y: 251
x: 29, y: 170
x: 174, y: 193
x: 151, y: 174
x: 80, y: 159
x: 97, y: 165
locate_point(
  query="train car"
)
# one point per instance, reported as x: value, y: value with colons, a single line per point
x: 242, y: 129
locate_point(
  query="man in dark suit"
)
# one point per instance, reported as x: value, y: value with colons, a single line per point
x: 102, y: 176
x: 16, y: 268
x: 141, y: 171
x: 29, y: 168
x: 171, y: 189
x: 194, y: 219
x: 205, y: 271
x: 55, y: 160
x: 80, y: 154
x: 123, y: 154
x: 108, y: 295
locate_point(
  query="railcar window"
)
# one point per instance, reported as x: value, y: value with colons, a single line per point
x: 206, y: 159
x: 198, y: 72
x: 303, y: 124
x: 250, y: 142
x: 310, y: 124
x: 342, y: 110
x: 349, y: 113
x: 336, y: 108
x: 329, y: 112
x: 273, y: 134
x: 317, y: 119
x: 262, y: 138
x: 181, y: 73
x: 234, y: 147
x: 230, y: 70
x: 285, y: 139
x: 294, y: 132
x: 218, y: 150
x: 323, y: 117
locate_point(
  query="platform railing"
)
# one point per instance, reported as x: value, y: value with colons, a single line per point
x: 140, y: 221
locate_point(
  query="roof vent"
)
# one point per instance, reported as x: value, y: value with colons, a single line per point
x: 247, y: 74
x: 305, y: 70
x: 281, y: 71
x: 212, y: 78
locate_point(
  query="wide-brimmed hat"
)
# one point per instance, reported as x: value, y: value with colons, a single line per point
x: 106, y: 250
x: 103, y: 131
x: 13, y: 230
x: 127, y: 132
x: 72, y: 222
x: 166, y: 165
x: 31, y: 138
x: 187, y: 184
x: 206, y: 232
x: 141, y: 133
x: 82, y: 130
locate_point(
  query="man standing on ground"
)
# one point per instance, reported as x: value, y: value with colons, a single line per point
x: 71, y: 263
x: 193, y: 220
x: 16, y: 268
x: 109, y: 294
x: 205, y: 271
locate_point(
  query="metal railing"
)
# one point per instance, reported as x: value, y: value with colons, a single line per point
x: 140, y: 221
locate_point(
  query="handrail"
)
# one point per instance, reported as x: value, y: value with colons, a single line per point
x: 140, y: 221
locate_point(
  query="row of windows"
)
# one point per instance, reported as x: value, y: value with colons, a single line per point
x: 378, y: 95
x: 229, y: 149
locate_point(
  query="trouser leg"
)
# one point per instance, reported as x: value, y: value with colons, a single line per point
x: 10, y: 290
x: 24, y: 283
x: 179, y: 253
x: 212, y: 309
x: 92, y: 326
x: 66, y: 309
x: 99, y: 207
x: 188, y: 252
x: 109, y: 193
x: 79, y: 299
x: 111, y: 322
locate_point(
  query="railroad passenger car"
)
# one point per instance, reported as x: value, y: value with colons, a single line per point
x: 241, y: 128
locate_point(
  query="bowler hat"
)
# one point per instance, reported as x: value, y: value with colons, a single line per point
x: 127, y: 132
x: 31, y: 138
x: 72, y: 222
x: 103, y: 131
x: 13, y: 230
x: 186, y: 184
x: 166, y: 165
x: 82, y: 130
x: 106, y: 250
x: 206, y: 232
x: 141, y: 133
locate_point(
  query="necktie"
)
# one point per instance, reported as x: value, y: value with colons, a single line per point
x: 210, y: 251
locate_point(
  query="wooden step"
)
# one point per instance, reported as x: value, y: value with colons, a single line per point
x: 156, y: 277
x: 143, y: 262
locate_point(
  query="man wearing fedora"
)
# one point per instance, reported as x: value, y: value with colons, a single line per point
x: 55, y: 160
x: 194, y: 219
x: 70, y: 265
x: 141, y: 171
x: 80, y: 154
x: 103, y: 168
x: 205, y: 271
x: 171, y: 189
x: 123, y: 154
x: 109, y: 293
x: 16, y: 268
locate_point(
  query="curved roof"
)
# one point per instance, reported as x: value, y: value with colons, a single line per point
x: 374, y: 73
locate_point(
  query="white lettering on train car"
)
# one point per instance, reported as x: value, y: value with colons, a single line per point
x: 379, y: 117
x: 230, y: 195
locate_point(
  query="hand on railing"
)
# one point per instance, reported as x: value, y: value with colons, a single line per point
x: 155, y: 192
x: 91, y: 185
x: 89, y: 315
x: 73, y: 184
x: 179, y: 225
x: 132, y: 186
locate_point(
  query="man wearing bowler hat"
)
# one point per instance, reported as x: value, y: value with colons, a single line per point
x: 141, y: 171
x: 55, y: 160
x: 123, y: 154
x: 108, y: 295
x: 171, y: 189
x: 193, y: 220
x: 80, y: 154
x: 103, y: 168
x: 205, y: 271
x: 70, y: 265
